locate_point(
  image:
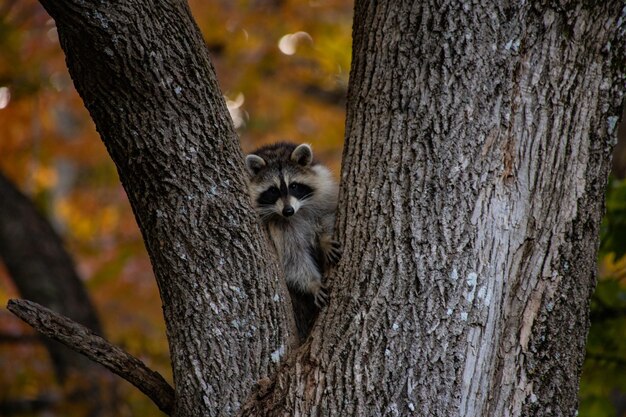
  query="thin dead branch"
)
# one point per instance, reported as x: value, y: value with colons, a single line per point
x: 82, y: 340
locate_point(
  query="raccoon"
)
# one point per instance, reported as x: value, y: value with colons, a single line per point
x: 296, y: 199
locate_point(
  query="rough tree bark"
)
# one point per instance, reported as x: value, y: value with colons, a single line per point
x: 477, y: 148
x: 477, y: 151
x: 144, y: 73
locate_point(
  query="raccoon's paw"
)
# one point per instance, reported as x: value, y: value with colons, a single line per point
x: 333, y: 252
x: 321, y: 298
x: 320, y: 294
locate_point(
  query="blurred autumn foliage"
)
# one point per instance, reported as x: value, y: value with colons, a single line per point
x: 283, y: 67
x: 603, y: 384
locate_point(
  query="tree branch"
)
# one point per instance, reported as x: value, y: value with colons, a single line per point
x: 86, y: 342
x: 144, y: 73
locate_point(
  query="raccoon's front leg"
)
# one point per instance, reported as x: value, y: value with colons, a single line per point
x: 331, y: 249
x: 303, y: 275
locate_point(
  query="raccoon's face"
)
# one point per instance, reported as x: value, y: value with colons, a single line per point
x: 282, y: 180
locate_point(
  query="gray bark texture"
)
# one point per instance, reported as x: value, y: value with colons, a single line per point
x: 478, y: 141
x: 477, y: 150
x: 143, y: 72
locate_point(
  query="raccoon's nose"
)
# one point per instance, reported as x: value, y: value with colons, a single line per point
x: 288, y: 211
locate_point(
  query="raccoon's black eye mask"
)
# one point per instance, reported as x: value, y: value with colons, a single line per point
x: 272, y: 194
x: 269, y: 196
x: 300, y: 191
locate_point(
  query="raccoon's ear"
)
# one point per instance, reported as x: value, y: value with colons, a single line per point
x: 254, y: 163
x: 302, y: 155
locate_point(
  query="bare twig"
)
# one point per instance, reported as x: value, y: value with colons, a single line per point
x: 86, y: 342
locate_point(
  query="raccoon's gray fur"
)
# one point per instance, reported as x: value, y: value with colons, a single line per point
x: 296, y: 198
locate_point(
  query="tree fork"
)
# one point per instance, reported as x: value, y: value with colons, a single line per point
x: 477, y: 147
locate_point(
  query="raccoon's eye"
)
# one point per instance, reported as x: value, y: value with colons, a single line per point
x: 300, y: 191
x: 269, y: 196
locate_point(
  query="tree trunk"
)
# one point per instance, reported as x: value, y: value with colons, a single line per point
x: 144, y: 73
x: 476, y: 157
x: 477, y: 149
x: 43, y: 271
